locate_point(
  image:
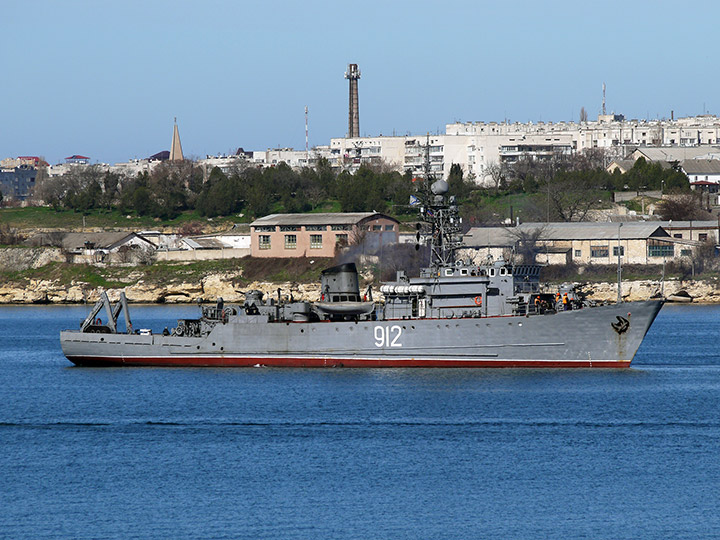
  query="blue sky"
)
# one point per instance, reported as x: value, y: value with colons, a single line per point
x: 105, y: 79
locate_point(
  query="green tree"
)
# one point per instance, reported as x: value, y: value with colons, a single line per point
x: 142, y: 202
x: 221, y: 195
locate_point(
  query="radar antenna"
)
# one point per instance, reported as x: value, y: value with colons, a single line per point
x: 441, y: 213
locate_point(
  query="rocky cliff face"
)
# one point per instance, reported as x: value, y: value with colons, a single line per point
x: 700, y: 291
x: 224, y: 285
x: 209, y: 289
x: 17, y: 259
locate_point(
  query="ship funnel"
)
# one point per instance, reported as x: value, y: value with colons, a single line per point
x: 340, y: 283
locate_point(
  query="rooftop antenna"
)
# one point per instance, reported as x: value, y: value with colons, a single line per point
x: 603, y: 104
x: 307, y: 155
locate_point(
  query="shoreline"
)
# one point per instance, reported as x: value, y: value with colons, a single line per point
x: 214, y: 286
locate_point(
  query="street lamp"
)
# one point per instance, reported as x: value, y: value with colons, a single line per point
x: 619, y: 298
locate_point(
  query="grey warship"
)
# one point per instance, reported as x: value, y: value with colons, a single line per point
x: 456, y: 313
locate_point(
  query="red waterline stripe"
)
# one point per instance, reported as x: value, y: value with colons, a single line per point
x: 219, y: 361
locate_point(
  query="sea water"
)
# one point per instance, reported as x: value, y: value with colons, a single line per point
x: 124, y: 453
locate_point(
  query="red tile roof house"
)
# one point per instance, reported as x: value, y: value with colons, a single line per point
x: 317, y: 235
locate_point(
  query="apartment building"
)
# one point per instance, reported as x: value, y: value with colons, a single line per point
x: 476, y: 146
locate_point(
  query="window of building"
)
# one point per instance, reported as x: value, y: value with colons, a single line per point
x: 702, y: 237
x: 599, y: 251
x: 677, y: 235
x: 289, y: 228
x: 341, y: 239
x: 316, y: 241
x: 389, y: 227
x: 578, y: 253
x: 615, y: 251
x: 377, y: 227
x: 290, y: 241
x: 315, y: 227
x: 264, y: 241
x: 340, y: 227
x: 265, y: 228
x: 685, y: 252
x: 657, y: 249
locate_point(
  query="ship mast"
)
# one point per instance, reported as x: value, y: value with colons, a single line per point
x: 441, y: 214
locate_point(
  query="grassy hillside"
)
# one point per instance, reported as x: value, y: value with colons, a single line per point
x: 34, y: 217
x: 300, y: 270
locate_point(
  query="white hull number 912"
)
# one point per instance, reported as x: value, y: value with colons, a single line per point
x: 388, y: 336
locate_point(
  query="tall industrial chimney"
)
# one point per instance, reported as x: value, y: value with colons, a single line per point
x: 353, y: 74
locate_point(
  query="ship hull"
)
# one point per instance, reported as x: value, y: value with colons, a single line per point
x: 574, y: 339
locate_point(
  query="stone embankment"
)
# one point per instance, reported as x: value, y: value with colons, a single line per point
x: 225, y: 285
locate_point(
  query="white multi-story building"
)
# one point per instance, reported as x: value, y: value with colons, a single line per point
x: 477, y: 146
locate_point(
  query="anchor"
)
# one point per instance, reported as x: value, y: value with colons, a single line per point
x: 621, y: 325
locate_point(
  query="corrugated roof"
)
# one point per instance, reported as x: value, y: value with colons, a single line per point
x: 208, y: 243
x: 701, y: 166
x: 103, y: 240
x: 623, y: 164
x: 501, y: 236
x: 675, y: 153
x: 595, y: 230
x: 489, y: 237
x: 348, y: 218
x: 699, y: 224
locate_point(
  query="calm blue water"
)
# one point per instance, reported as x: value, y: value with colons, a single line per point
x: 268, y: 453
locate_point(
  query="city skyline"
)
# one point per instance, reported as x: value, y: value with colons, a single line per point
x: 107, y: 80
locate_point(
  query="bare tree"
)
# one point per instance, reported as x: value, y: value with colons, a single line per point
x: 683, y: 207
x: 528, y: 243
x: 145, y: 255
x: 496, y: 174
x: 190, y: 228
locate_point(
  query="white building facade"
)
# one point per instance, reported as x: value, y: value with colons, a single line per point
x: 476, y: 146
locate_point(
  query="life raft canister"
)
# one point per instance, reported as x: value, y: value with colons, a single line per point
x: 478, y: 300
